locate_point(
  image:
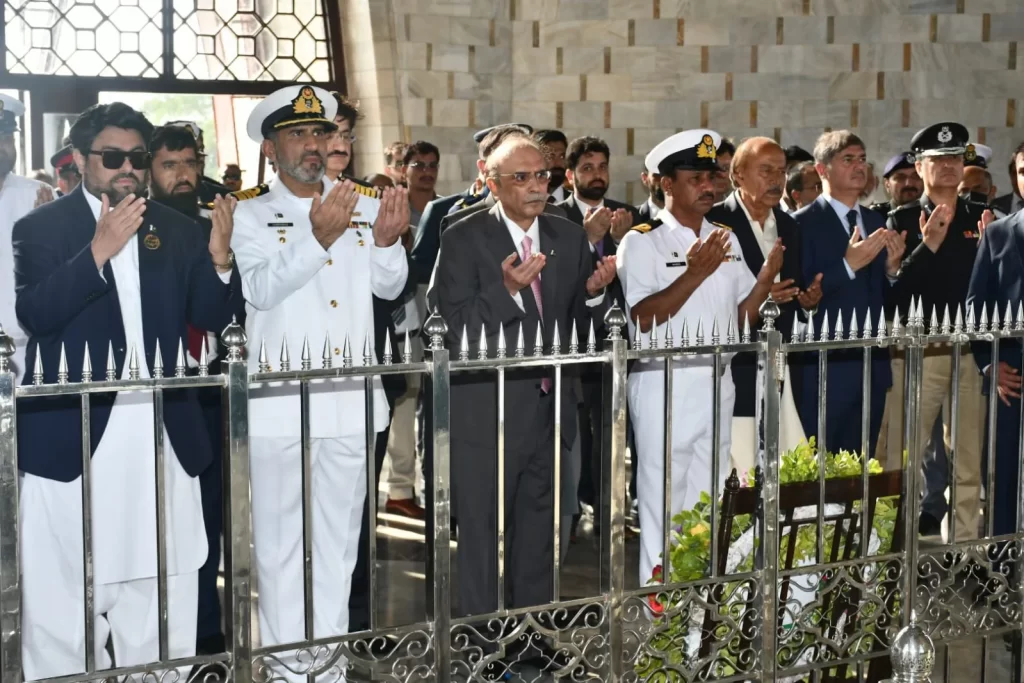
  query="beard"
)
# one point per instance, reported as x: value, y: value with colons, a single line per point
x: 182, y: 202
x: 302, y: 173
x: 115, y: 193
x: 593, y: 192
x: 556, y: 180
x: 657, y: 194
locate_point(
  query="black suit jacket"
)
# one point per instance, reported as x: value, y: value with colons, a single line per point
x: 1004, y: 203
x: 486, y: 205
x: 62, y: 300
x: 469, y: 291
x: 575, y: 213
x: 728, y: 212
x: 428, y: 237
x: 998, y: 278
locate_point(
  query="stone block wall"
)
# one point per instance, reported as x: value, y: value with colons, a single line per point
x: 635, y: 71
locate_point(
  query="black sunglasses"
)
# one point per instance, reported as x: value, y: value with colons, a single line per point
x: 113, y: 159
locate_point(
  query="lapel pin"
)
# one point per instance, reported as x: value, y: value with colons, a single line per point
x: 152, y: 228
x: 552, y: 252
x: 152, y: 242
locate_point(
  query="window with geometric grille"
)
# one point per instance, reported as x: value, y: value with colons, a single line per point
x: 211, y: 40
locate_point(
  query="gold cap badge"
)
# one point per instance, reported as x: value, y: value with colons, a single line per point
x: 307, y: 102
x: 706, y: 148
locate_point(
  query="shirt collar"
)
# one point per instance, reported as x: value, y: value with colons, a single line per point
x: 584, y: 206
x: 842, y: 209
x: 94, y: 204
x: 517, y: 233
x: 669, y: 221
x: 279, y: 189
x: 767, y: 221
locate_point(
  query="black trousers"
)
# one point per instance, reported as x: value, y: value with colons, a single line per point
x: 529, y: 505
x: 209, y: 632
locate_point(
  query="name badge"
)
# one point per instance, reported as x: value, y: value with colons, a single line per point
x: 675, y: 264
x: 280, y: 225
x: 732, y: 258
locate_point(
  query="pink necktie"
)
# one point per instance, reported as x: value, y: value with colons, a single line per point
x: 545, y: 384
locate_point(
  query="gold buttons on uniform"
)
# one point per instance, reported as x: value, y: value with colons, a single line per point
x: 330, y: 262
x: 337, y: 351
x: 334, y: 304
x: 282, y: 240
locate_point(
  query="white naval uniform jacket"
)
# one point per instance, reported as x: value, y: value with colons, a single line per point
x: 294, y: 289
x: 17, y: 198
x: 649, y: 262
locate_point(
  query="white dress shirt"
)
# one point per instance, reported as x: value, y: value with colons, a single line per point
x: 841, y: 211
x: 124, y: 465
x: 17, y: 198
x: 517, y: 234
x: 650, y: 262
x: 296, y: 290
x: 766, y: 234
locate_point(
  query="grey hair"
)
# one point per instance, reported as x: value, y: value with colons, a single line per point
x: 509, y: 145
x: 830, y: 144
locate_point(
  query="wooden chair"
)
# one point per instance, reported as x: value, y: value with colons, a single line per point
x: 838, y: 610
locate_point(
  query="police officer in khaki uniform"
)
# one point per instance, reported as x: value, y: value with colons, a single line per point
x: 942, y: 232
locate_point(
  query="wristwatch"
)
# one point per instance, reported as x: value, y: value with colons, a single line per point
x: 230, y: 263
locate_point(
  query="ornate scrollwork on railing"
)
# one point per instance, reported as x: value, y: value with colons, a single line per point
x: 566, y: 644
x: 969, y: 590
x: 405, y: 658
x: 698, y: 633
x: 834, y: 613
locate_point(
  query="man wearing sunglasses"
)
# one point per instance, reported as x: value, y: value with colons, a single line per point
x: 103, y: 268
x: 312, y: 254
x: 513, y: 268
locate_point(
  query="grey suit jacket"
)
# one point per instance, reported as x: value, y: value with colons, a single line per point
x: 468, y: 290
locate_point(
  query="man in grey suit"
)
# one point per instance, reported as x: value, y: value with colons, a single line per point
x: 508, y: 266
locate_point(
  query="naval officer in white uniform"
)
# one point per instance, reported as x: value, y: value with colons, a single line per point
x: 18, y: 196
x: 682, y: 267
x: 311, y: 254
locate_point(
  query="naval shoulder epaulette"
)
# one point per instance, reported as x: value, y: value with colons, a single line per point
x: 363, y: 187
x: 647, y: 227
x: 723, y: 226
x: 242, y: 195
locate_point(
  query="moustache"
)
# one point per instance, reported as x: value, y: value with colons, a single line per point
x: 774, y: 191
x: 337, y: 154
x: 533, y: 197
x: 187, y: 185
x: 707, y: 196
x: 124, y: 176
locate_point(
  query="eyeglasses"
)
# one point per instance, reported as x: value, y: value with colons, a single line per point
x: 432, y: 165
x: 113, y: 159
x: 523, y: 177
x: 346, y: 137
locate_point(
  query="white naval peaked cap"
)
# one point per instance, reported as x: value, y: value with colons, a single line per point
x: 977, y: 154
x: 10, y: 109
x: 693, y: 150
x: 294, y: 105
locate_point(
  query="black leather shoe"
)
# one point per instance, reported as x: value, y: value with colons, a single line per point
x: 929, y: 526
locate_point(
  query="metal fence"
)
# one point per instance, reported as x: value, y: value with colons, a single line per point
x: 826, y: 619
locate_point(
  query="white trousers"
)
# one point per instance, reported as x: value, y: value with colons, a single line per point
x: 53, y: 604
x: 691, y: 448
x: 745, y: 434
x: 399, y: 471
x: 339, y: 490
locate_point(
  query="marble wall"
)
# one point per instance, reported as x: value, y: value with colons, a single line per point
x: 635, y: 71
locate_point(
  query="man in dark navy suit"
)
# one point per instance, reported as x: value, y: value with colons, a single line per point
x: 998, y: 278
x: 753, y: 214
x: 857, y: 258
x: 605, y: 222
x: 102, y: 268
